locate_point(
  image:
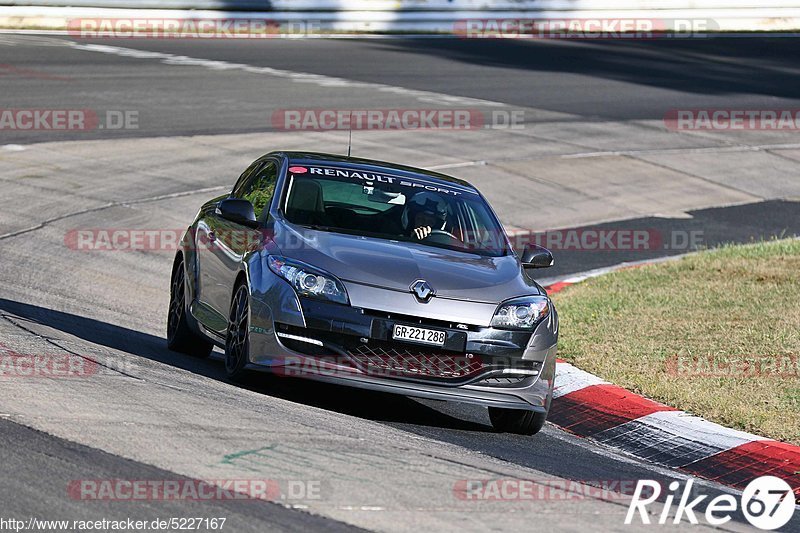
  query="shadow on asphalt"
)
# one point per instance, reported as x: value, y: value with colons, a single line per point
x: 705, y: 65
x: 371, y: 405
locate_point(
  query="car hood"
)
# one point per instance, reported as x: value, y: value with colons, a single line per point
x: 396, y: 265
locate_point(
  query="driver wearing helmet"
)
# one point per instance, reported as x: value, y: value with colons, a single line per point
x: 424, y: 213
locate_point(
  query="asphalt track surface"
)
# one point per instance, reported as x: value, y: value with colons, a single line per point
x: 589, y: 80
x: 112, y: 308
x: 39, y: 462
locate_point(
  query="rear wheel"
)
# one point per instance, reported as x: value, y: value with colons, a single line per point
x: 516, y: 420
x: 180, y: 337
x: 237, y: 341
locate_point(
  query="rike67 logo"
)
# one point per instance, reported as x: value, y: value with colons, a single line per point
x: 767, y: 503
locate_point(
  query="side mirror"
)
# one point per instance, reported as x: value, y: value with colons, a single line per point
x: 237, y: 210
x: 535, y: 256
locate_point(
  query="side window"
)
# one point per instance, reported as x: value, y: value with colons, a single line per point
x: 260, y: 186
x: 245, y: 178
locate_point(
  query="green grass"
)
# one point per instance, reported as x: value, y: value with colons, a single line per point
x: 736, y: 305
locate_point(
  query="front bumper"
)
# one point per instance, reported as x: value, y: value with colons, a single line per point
x: 353, y: 346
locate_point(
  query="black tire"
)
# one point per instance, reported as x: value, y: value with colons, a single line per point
x: 237, y: 340
x: 516, y: 421
x: 180, y: 337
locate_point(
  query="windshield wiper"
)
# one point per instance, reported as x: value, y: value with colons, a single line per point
x: 318, y: 227
x: 345, y: 231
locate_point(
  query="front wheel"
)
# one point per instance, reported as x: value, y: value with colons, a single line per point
x: 516, y: 421
x: 237, y: 341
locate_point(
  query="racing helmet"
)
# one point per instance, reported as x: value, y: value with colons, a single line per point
x: 425, y: 202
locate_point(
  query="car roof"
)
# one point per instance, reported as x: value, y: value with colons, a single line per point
x: 371, y: 165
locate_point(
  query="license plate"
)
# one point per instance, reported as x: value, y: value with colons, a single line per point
x: 415, y: 334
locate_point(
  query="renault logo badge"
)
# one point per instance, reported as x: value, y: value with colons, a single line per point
x: 422, y: 290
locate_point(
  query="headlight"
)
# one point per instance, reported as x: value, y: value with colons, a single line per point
x: 521, y: 313
x: 308, y: 281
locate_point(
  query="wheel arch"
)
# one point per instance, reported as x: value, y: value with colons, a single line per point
x: 178, y: 258
x: 241, y: 278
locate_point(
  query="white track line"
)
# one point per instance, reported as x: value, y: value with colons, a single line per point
x: 319, y: 80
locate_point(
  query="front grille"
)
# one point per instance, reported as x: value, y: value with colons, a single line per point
x: 391, y: 359
x: 420, y: 320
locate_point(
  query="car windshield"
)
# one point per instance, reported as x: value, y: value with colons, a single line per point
x: 402, y: 208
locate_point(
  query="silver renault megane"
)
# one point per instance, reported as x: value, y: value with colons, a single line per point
x: 372, y: 275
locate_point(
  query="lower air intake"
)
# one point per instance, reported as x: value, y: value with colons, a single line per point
x: 384, y: 359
